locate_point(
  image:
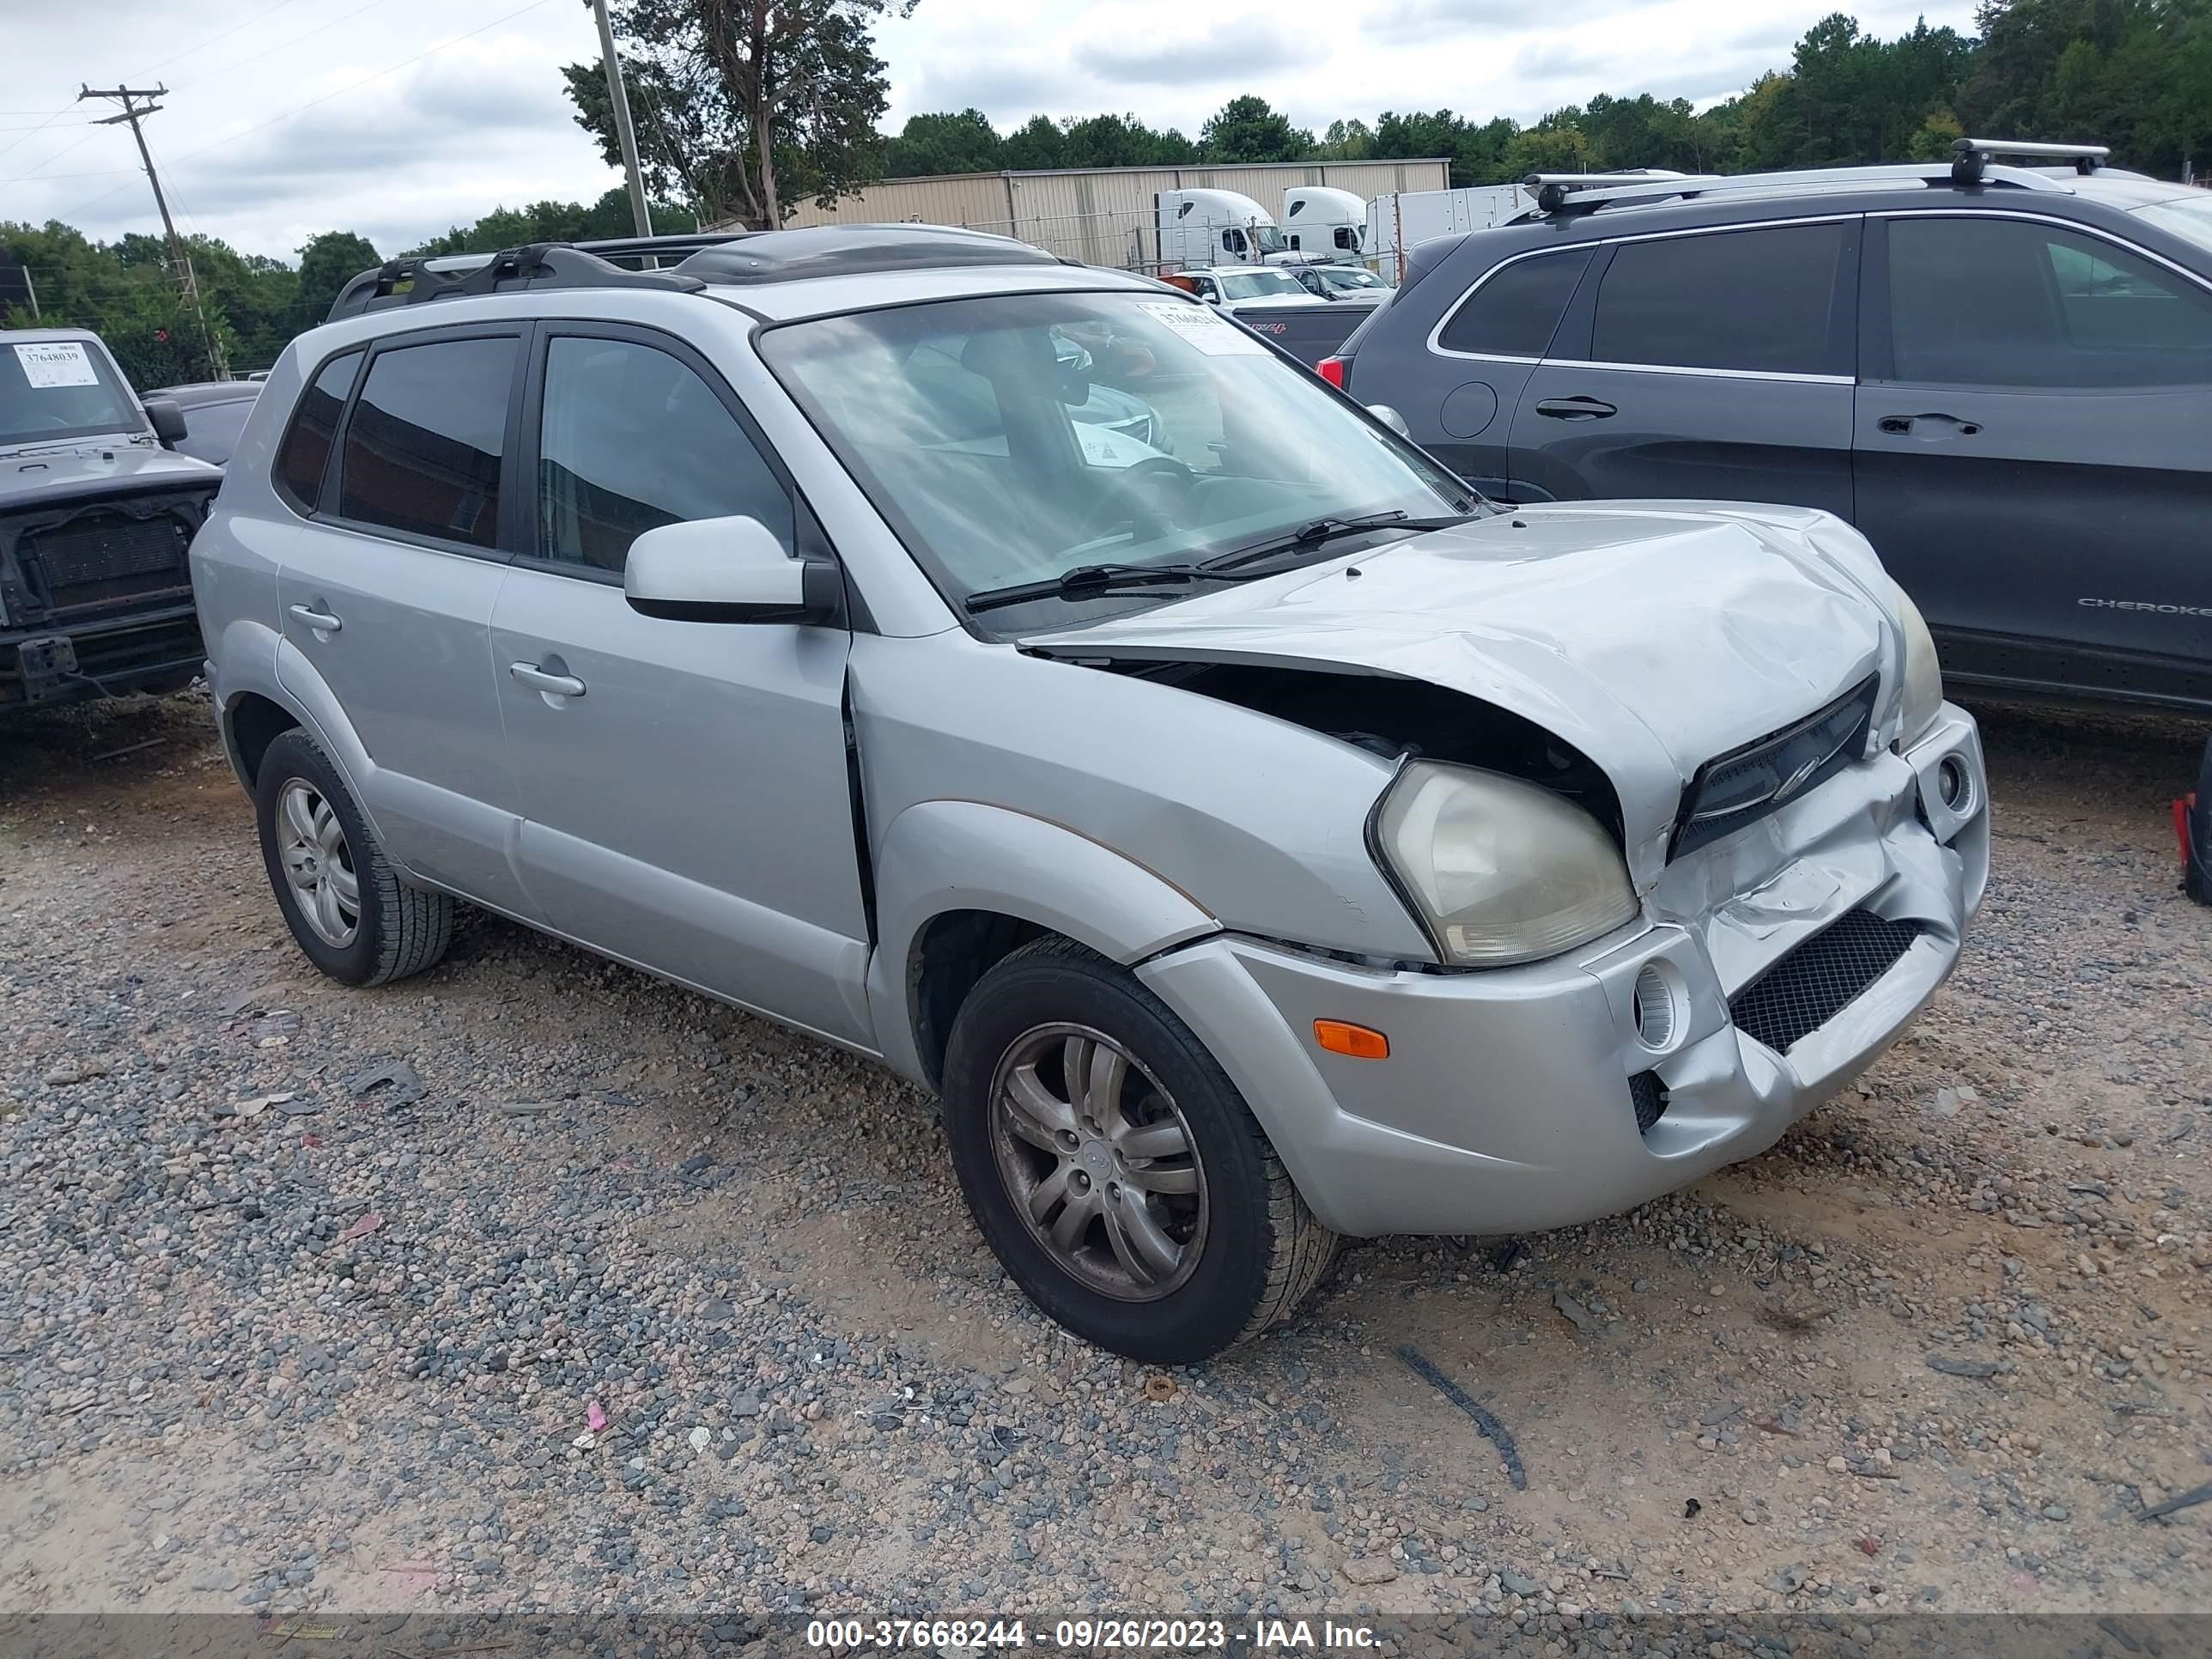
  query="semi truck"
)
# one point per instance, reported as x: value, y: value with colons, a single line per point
x: 1213, y: 228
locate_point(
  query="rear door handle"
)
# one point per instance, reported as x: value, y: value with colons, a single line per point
x: 1942, y: 426
x: 321, y: 621
x: 558, y: 685
x: 1575, y: 409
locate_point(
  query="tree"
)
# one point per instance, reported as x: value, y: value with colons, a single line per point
x: 1121, y: 141
x: 744, y: 106
x: 966, y: 142
x: 1642, y: 132
x: 1036, y: 144
x: 327, y: 263
x: 1250, y: 128
x: 1477, y: 154
x: 1346, y: 141
x: 606, y: 219
x: 1555, y: 145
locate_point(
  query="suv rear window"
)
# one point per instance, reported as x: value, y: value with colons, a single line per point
x: 1755, y: 300
x: 305, y: 450
x: 1515, y: 313
x: 422, y: 448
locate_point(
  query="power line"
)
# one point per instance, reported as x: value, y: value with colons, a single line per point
x: 41, y: 127
x: 225, y: 35
x: 352, y: 86
x: 282, y: 45
x: 36, y: 175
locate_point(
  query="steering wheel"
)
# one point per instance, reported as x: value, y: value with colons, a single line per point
x: 1123, y: 500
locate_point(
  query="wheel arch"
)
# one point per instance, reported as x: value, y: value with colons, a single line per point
x: 962, y: 884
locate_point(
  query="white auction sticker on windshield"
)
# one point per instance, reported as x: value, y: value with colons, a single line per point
x: 53, y: 363
x: 1213, y: 335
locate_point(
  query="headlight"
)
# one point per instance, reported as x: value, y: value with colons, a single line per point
x: 1923, y: 675
x: 1501, y: 870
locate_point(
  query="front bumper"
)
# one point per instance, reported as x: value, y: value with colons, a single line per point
x: 1506, y: 1103
x: 90, y: 658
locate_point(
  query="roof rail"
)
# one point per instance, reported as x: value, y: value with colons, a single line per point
x: 415, y: 281
x: 1585, y: 192
x: 672, y: 247
x: 1972, y: 157
x: 841, y: 250
x: 720, y: 258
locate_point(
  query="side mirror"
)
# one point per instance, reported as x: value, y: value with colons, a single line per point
x: 1211, y: 297
x: 727, y: 570
x: 1391, y: 418
x: 167, y: 419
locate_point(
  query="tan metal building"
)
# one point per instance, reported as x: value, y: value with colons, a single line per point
x: 1101, y: 215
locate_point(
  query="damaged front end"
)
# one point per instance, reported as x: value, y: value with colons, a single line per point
x: 95, y: 593
x: 1800, y: 863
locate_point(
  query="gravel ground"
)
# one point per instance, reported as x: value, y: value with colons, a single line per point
x: 533, y: 1283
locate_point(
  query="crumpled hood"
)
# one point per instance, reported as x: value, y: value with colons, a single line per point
x: 93, y: 467
x: 1651, y: 636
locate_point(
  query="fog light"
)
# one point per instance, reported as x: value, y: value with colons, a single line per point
x: 1954, y: 784
x: 1657, y: 1009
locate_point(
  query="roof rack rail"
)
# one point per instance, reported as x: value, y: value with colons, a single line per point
x: 843, y: 249
x: 672, y: 247
x: 1585, y: 192
x: 1972, y: 157
x: 408, y: 282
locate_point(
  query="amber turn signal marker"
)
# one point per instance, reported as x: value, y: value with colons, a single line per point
x: 1340, y: 1037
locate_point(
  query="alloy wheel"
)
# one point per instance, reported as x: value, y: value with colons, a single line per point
x: 1099, y: 1161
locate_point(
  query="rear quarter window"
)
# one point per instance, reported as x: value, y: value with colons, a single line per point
x: 1516, y: 309
x: 304, y: 453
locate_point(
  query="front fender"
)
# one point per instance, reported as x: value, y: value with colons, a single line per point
x: 940, y: 856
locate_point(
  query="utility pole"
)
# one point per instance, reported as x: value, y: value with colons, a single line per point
x: 620, y: 99
x: 137, y: 103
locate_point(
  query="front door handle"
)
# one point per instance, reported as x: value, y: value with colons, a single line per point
x: 1941, y: 426
x: 557, y: 685
x: 321, y: 621
x: 1575, y: 409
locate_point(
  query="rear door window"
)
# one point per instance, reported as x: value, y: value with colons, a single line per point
x: 2011, y: 302
x: 305, y: 450
x: 1514, y: 312
x: 425, y: 444
x: 1773, y: 300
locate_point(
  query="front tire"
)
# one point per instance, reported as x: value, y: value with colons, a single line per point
x: 346, y: 905
x: 1112, y: 1167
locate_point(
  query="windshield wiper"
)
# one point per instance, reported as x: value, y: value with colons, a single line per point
x: 1089, y: 580
x: 1322, y: 531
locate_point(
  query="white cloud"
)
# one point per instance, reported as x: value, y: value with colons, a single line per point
x: 485, y: 122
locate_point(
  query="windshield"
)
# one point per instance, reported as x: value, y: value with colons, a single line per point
x: 1268, y: 239
x: 1259, y: 284
x: 970, y: 424
x: 52, y: 391
x: 2190, y: 216
x: 1351, y: 279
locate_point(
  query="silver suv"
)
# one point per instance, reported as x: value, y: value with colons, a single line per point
x: 1253, y: 836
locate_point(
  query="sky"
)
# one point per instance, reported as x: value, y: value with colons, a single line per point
x: 399, y: 118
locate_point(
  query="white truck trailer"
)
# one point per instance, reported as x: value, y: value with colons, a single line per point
x: 1404, y: 219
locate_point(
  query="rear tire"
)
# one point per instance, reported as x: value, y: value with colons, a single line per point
x: 347, y: 907
x: 1142, y: 1206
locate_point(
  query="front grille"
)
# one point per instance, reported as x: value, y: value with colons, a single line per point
x: 1821, y: 978
x: 1650, y: 1095
x: 1745, y: 784
x: 98, y: 556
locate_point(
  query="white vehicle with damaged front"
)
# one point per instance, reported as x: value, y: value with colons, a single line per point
x: 1252, y: 837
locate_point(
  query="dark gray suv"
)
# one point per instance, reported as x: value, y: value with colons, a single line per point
x: 2002, y: 374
